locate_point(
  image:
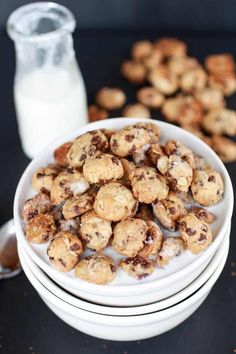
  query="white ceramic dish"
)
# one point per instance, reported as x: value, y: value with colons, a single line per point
x: 124, y: 327
x: 127, y: 311
x: 162, y: 283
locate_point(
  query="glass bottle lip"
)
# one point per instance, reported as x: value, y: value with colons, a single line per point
x: 18, y: 23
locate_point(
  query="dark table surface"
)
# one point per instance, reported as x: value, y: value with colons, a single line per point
x: 26, y: 324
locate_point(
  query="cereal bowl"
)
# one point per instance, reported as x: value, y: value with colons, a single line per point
x: 124, y: 328
x: 124, y: 290
x: 134, y: 310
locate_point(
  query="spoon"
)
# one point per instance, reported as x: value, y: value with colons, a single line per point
x: 9, y: 261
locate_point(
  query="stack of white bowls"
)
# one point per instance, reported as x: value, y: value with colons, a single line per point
x: 128, y: 309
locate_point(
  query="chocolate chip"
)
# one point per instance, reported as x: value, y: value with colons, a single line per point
x: 191, y: 231
x: 141, y: 276
x: 172, y: 210
x: 115, y: 160
x: 82, y: 157
x: 96, y: 140
x: 113, y: 268
x: 75, y: 247
x: 114, y: 144
x: 202, y: 237
x: 129, y: 137
x: 51, y: 259
x: 212, y: 179
x: 62, y: 262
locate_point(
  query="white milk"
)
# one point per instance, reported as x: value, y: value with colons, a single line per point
x: 49, y: 102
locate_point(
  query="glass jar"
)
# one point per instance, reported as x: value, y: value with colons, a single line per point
x: 49, y: 92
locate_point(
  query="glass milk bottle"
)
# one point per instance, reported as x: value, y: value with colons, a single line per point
x: 49, y: 92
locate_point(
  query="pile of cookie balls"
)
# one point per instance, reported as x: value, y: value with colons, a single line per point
x: 186, y: 92
x: 121, y: 189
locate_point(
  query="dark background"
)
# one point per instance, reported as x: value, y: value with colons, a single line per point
x: 107, y: 30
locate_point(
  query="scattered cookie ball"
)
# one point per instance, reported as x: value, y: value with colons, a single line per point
x: 224, y: 147
x: 96, y: 113
x: 171, y: 47
x: 220, y: 121
x: 43, y: 177
x: 136, y: 110
x: 141, y: 50
x: 39, y: 204
x: 164, y: 80
x: 110, y: 98
x: 134, y: 72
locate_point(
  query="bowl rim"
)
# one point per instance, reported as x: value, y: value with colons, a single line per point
x: 129, y: 310
x: 116, y: 290
x: 124, y: 321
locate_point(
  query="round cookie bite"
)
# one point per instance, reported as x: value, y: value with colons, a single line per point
x: 174, y: 147
x: 207, y: 187
x: 180, y: 65
x: 40, y: 228
x: 43, y: 178
x: 102, y: 167
x: 129, y: 139
x: 140, y: 50
x: 220, y: 63
x: 153, y: 60
x: 39, y: 204
x: 210, y: 98
x: 171, y: 47
x: 169, y: 211
x: 136, y: 110
x: 137, y: 267
x: 86, y: 145
x: 148, y: 185
x: 195, y: 233
x: 220, y: 121
x: 110, y: 98
x: 64, y: 251
x: 224, y: 147
x: 177, y: 171
x: 153, y: 241
x: 129, y: 236
x: 150, y: 97
x: 133, y: 71
x: 98, y: 269
x: 96, y: 113
x: 67, y: 185
x: 95, y: 231
x: 60, y: 154
x: 114, y: 202
x: 172, y: 247
x: 193, y: 80
x: 163, y: 79
x: 226, y: 83
x: 76, y: 206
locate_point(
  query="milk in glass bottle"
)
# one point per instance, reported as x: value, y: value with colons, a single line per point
x: 49, y: 92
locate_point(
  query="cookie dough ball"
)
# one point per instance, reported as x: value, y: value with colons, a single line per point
x: 86, y: 145
x: 164, y: 80
x: 147, y: 185
x: 193, y: 80
x: 153, y: 60
x: 184, y: 110
x: 64, y: 251
x: 69, y: 225
x: 40, y: 228
x: 203, y: 215
x: 220, y: 63
x: 76, y: 206
x: 129, y: 236
x: 110, y: 98
x: 155, y: 152
x: 171, y: 47
x: 129, y: 139
x: 133, y: 71
x: 153, y: 241
x: 210, y: 98
x: 136, y: 110
x: 180, y: 65
x: 60, y: 154
x: 220, y: 121
x: 102, y: 167
x: 98, y: 269
x: 114, y: 202
x: 39, y: 204
x: 140, y: 50
x: 174, y: 147
x: 169, y: 211
x: 177, y: 171
x: 95, y: 113
x: 137, y: 267
x: 224, y: 147
x: 43, y: 177
x: 95, y: 231
x: 195, y: 233
x: 172, y: 247
x: 150, y: 97
x: 207, y: 187
x: 226, y: 83
x: 67, y: 185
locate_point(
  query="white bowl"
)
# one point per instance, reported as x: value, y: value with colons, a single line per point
x: 127, y: 311
x: 124, y: 290
x: 124, y: 327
